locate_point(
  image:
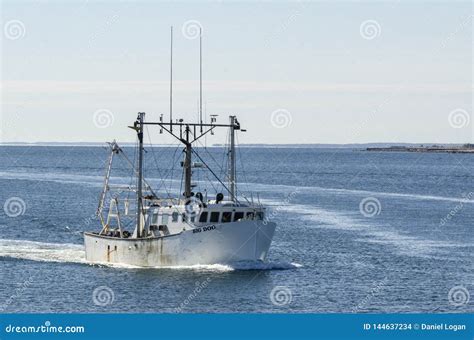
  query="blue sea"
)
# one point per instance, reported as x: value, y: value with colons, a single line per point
x: 357, y: 232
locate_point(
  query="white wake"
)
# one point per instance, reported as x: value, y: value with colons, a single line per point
x: 40, y: 251
x: 365, y: 231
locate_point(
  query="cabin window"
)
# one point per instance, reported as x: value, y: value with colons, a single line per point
x: 164, y: 219
x: 214, y: 216
x: 226, y: 216
x: 203, y: 217
x: 260, y: 216
x: 250, y: 216
x: 154, y: 219
x: 183, y: 216
x: 238, y: 215
x: 175, y: 216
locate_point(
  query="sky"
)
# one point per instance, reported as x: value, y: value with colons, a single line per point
x: 292, y: 72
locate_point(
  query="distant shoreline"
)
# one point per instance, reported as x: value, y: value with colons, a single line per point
x: 467, y: 148
x: 390, y: 147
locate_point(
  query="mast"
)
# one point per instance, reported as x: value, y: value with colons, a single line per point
x: 200, y: 77
x: 171, y: 80
x: 232, y: 159
x: 187, y: 165
x: 139, y: 128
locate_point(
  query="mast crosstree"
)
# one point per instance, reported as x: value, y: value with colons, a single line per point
x: 189, y: 133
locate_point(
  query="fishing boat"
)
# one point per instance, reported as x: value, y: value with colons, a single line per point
x: 190, y: 228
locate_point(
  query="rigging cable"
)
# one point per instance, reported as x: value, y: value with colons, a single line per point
x: 212, y: 172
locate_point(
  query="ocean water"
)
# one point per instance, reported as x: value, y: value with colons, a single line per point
x: 358, y: 232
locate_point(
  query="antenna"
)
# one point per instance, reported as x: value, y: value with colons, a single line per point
x: 171, y: 80
x: 200, y: 76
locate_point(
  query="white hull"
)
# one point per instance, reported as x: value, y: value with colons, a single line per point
x: 219, y: 243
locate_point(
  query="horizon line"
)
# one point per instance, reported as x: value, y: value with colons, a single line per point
x: 128, y: 144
